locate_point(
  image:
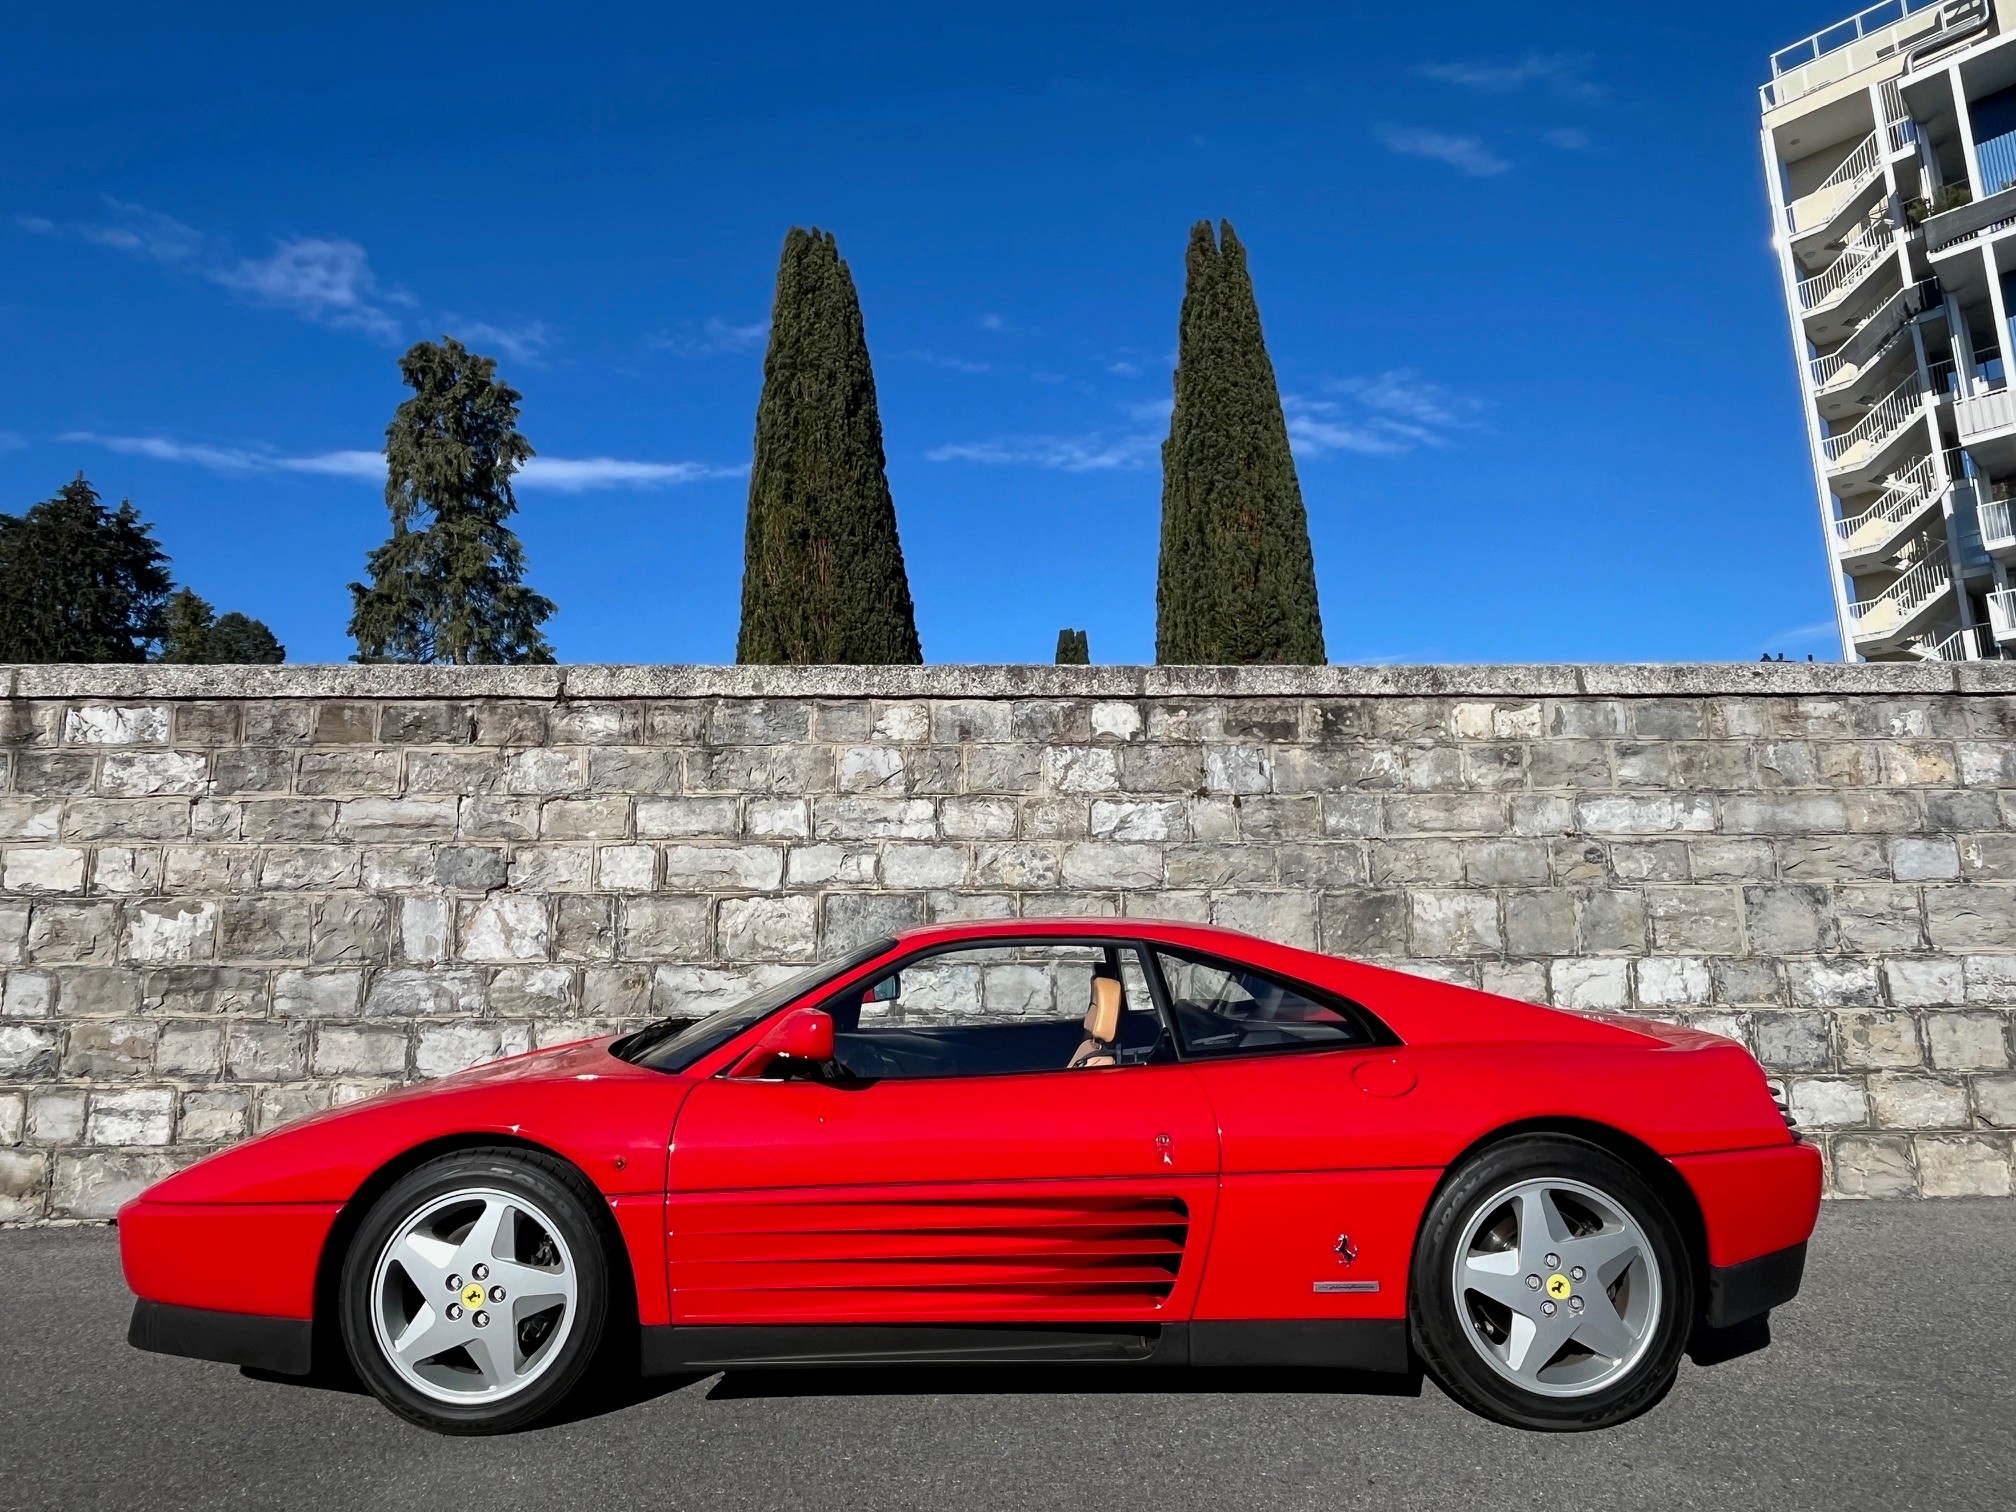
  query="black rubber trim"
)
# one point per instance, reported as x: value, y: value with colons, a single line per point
x: 667, y: 1350
x: 1748, y: 1290
x: 284, y: 1346
x: 1378, y: 1344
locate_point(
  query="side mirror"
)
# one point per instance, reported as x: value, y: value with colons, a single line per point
x: 885, y: 990
x: 806, y: 1035
x: 803, y: 1034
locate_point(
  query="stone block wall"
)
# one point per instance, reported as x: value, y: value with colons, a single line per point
x: 231, y: 896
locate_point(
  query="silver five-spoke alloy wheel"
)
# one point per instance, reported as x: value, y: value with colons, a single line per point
x: 1556, y: 1286
x: 473, y: 1296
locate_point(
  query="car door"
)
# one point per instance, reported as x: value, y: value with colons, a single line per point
x: 1318, y: 1202
x: 981, y: 1190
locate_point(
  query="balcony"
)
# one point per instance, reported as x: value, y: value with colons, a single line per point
x: 1983, y: 217
x: 2002, y: 614
x: 1874, y: 339
x: 1817, y: 208
x: 1982, y: 415
x: 1969, y: 643
x: 1863, y: 253
x: 1998, y: 526
x: 1867, y: 536
x: 1902, y: 609
x: 1853, y: 450
x: 1862, y: 41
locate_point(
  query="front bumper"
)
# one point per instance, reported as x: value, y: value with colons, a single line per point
x: 282, y: 1345
x: 1751, y: 1288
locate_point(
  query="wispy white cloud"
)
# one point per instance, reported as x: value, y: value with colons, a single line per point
x: 1124, y: 369
x: 557, y: 474
x: 1096, y: 451
x: 327, y: 281
x: 712, y: 336
x: 1381, y: 415
x: 525, y: 344
x: 1152, y: 409
x: 1466, y: 154
x: 993, y: 322
x: 1567, y: 138
x: 951, y: 363
x: 1801, y: 635
x: 1565, y: 74
x: 236, y: 459
x: 580, y: 474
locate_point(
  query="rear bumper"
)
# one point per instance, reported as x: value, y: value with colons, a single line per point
x: 1754, y: 1203
x: 1737, y: 1293
x: 282, y: 1345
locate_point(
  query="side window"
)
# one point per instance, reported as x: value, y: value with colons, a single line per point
x: 1223, y: 1009
x: 998, y: 1009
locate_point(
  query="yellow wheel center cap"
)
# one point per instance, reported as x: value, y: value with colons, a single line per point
x: 1559, y: 1287
x: 472, y: 1294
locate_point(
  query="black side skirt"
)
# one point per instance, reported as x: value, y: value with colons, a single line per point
x: 1749, y: 1290
x: 281, y: 1345
x: 1372, y: 1344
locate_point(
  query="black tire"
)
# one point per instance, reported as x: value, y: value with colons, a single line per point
x: 1443, y: 1339
x: 558, y: 1192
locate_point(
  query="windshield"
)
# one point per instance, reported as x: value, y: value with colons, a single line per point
x: 674, y: 1044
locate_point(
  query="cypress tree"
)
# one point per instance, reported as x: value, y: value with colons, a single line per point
x: 1237, y: 581
x: 448, y: 586
x: 186, y: 622
x: 195, y: 634
x: 79, y: 582
x: 822, y: 574
x: 1073, y: 649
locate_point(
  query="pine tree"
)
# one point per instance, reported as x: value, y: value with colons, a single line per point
x: 1237, y: 582
x: 1073, y: 649
x: 240, y: 641
x: 194, y: 634
x: 79, y: 582
x: 822, y: 575
x: 448, y: 586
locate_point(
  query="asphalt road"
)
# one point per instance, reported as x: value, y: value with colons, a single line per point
x: 1891, y: 1384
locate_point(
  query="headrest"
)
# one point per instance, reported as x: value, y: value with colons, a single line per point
x: 1102, y: 1019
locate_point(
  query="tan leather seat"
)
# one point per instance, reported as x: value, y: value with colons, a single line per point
x: 1102, y: 1026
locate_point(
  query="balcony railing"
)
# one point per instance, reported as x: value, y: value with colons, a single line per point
x: 1969, y: 643
x: 1874, y: 337
x: 1863, y: 251
x: 1899, y: 502
x: 1883, y: 613
x: 1998, y: 524
x: 1824, y: 202
x: 1873, y: 431
x: 1862, y: 40
x: 2002, y: 613
x: 1978, y: 414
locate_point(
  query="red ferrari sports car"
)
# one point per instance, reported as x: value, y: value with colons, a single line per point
x: 1090, y: 1140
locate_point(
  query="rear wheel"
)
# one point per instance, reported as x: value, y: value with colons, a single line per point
x: 474, y: 1294
x: 1551, y: 1288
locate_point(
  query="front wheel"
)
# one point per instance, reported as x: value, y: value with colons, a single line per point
x: 474, y: 1293
x: 1551, y: 1288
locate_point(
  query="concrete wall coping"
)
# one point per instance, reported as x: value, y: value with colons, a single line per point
x: 584, y: 681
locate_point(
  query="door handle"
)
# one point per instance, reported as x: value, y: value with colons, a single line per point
x: 1165, y: 1148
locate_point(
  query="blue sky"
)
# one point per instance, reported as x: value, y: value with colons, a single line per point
x: 1512, y: 263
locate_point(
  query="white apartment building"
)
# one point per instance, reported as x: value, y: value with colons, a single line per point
x: 1890, y: 152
